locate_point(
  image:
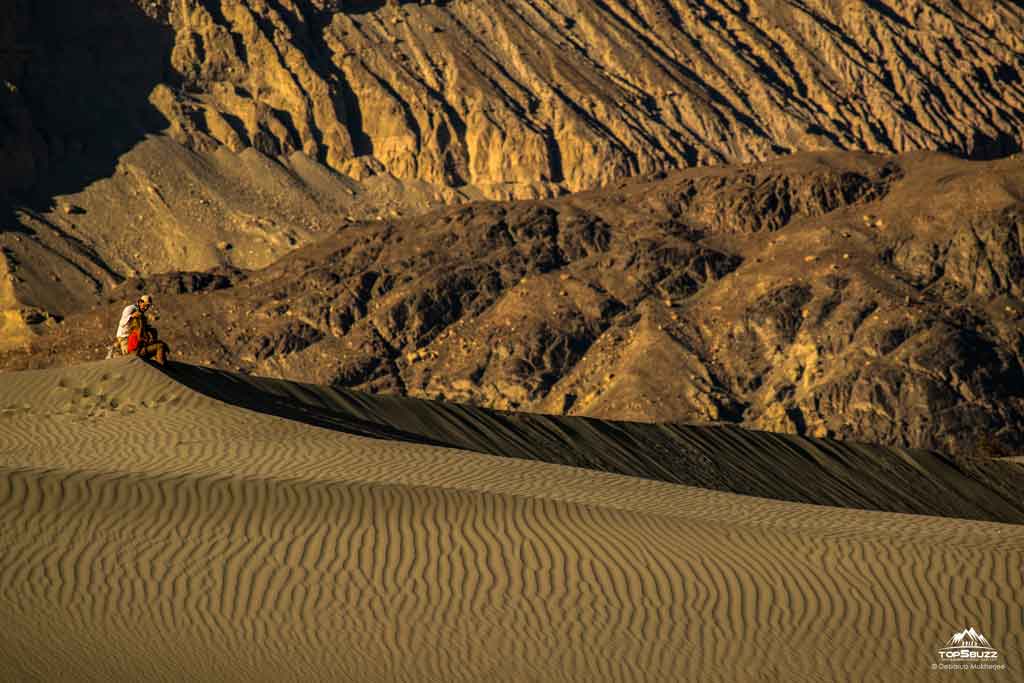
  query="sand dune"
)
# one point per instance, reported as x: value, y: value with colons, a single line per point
x: 151, y: 531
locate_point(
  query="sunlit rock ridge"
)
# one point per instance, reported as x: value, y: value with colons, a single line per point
x: 523, y: 97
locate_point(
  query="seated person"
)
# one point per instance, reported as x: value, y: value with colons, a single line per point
x: 142, y: 341
x: 144, y: 303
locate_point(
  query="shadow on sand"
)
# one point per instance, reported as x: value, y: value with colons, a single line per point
x: 763, y: 464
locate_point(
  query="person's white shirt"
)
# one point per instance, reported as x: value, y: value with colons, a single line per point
x: 126, y: 316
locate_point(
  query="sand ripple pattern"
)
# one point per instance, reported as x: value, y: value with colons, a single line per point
x: 192, y: 548
x: 209, y: 577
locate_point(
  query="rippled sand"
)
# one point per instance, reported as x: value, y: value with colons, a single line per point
x: 150, y: 532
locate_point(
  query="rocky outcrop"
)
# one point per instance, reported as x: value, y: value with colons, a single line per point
x: 868, y: 298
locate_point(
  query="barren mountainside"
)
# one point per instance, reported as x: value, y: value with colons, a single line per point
x: 373, y: 195
x: 864, y: 297
x: 519, y: 97
x: 523, y: 96
x: 139, y: 136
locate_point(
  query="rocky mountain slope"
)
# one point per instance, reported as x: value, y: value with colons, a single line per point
x: 149, y: 135
x: 141, y: 136
x: 282, y: 163
x: 519, y: 97
x: 858, y: 296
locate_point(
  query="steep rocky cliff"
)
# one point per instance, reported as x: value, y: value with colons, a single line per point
x: 521, y: 97
x: 526, y: 97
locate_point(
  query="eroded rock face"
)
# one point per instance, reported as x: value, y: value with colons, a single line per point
x: 519, y: 99
x: 516, y: 99
x: 76, y: 79
x: 861, y: 313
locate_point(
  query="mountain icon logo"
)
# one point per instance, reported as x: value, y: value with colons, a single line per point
x: 968, y: 644
x: 968, y: 638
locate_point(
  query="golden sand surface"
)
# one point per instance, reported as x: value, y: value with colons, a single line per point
x: 151, y: 532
